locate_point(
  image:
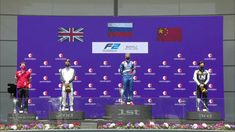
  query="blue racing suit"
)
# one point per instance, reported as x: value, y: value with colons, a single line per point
x: 127, y: 70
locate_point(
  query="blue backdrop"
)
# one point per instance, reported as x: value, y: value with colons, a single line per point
x: 164, y: 74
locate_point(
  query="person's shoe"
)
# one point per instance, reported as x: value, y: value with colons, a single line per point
x: 21, y: 111
x: 205, y: 110
x: 63, y: 108
x: 198, y: 109
x: 71, y: 108
x: 128, y: 103
x: 131, y: 103
x: 14, y: 111
x: 59, y: 108
x: 122, y: 102
x: 66, y: 109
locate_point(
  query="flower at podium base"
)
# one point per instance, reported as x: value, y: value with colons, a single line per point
x: 141, y: 125
x: 165, y: 125
x: 13, y: 127
x: 47, y: 126
x: 227, y: 126
x: 112, y: 125
x: 65, y: 126
x: 71, y: 126
x: 128, y: 125
x: 195, y: 126
x: 26, y: 127
x: 151, y: 123
x: 40, y: 126
x: 204, y: 125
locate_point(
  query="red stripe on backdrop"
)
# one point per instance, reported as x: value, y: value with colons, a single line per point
x: 120, y: 34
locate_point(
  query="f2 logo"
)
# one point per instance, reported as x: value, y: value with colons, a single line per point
x: 112, y: 45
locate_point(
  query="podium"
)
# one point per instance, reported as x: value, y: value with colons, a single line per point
x: 66, y: 115
x: 127, y: 112
x: 210, y: 116
x: 21, y: 117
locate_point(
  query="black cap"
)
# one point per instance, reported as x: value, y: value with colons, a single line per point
x: 200, y: 62
x: 67, y: 60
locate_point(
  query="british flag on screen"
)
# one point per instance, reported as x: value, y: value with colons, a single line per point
x: 70, y: 34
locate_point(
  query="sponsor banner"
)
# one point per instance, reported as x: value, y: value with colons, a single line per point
x: 119, y: 47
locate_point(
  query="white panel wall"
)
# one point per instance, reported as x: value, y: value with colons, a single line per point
x: 148, y: 7
x: 7, y: 76
x: 229, y: 53
x: 57, y: 7
x: 8, y: 26
x: 82, y: 7
x: 8, y: 53
x: 200, y: 7
x: 229, y: 27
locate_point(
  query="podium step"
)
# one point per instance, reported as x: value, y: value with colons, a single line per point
x: 66, y: 115
x: 212, y: 116
x: 127, y: 112
x: 21, y: 117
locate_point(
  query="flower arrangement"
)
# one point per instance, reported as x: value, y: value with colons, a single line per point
x: 40, y: 126
x: 119, y: 125
x: 166, y: 125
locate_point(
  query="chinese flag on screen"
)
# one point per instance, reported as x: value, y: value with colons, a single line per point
x: 169, y: 34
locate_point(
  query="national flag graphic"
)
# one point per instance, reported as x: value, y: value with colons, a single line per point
x: 120, y: 29
x: 169, y: 34
x: 70, y: 34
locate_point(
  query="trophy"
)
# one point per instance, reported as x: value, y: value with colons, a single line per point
x: 203, y: 89
x: 121, y: 91
x: 67, y: 88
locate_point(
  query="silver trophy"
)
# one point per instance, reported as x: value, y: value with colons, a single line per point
x: 121, y: 91
x: 14, y: 104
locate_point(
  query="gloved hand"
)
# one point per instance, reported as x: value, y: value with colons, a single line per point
x: 201, y: 85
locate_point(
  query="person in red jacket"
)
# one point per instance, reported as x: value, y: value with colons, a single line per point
x: 23, y: 78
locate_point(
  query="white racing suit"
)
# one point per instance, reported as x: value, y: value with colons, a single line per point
x: 201, y: 77
x: 67, y: 76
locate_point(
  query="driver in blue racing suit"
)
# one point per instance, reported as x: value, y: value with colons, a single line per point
x: 127, y: 70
